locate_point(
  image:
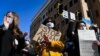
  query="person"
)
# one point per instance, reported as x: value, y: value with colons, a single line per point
x: 69, y: 45
x: 9, y: 30
x: 51, y: 47
x: 97, y: 32
x: 80, y: 25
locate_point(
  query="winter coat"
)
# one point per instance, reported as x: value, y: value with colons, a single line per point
x: 54, y: 49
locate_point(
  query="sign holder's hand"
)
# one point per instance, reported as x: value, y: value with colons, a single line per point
x: 46, y: 38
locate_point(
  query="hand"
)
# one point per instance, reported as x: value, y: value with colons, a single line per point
x: 6, y: 23
x: 98, y: 43
x: 46, y: 37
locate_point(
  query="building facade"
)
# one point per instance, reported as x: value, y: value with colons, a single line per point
x: 94, y: 6
x: 53, y: 8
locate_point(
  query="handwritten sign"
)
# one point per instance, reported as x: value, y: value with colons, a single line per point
x: 88, y: 48
x: 86, y: 43
x: 53, y: 35
x: 87, y: 35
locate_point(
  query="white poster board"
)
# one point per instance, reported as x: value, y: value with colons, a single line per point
x: 86, y: 43
x: 53, y: 35
x: 87, y: 35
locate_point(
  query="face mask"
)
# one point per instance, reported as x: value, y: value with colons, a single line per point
x: 50, y: 24
x: 84, y: 28
x: 10, y: 20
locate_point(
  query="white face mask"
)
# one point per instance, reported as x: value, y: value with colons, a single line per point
x: 50, y: 24
x: 10, y: 20
x: 83, y: 28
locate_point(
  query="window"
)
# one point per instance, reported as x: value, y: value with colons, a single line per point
x: 97, y: 13
x: 46, y: 13
x: 78, y: 15
x: 63, y: 23
x: 43, y: 16
x: 66, y: 20
x: 71, y: 3
x: 85, y: 1
x: 93, y: 1
x: 75, y: 1
x: 60, y: 8
x: 88, y: 13
x: 66, y: 7
x: 61, y: 0
x: 51, y: 9
x: 55, y: 16
x: 55, y: 6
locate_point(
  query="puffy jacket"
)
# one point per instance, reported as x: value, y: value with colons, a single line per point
x: 54, y: 49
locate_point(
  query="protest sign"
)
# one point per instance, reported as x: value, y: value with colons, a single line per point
x: 86, y: 43
x: 52, y: 34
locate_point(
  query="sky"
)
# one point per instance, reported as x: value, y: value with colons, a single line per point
x: 26, y: 10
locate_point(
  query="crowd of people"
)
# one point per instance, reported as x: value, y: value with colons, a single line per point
x: 12, y: 39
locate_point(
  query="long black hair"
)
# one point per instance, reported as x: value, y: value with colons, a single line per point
x: 78, y: 25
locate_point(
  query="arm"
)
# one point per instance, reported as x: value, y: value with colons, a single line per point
x: 54, y: 44
x: 1, y: 31
x: 57, y: 44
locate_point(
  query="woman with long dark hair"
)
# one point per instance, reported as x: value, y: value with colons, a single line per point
x: 9, y: 33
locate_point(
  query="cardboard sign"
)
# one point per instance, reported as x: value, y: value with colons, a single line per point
x: 52, y: 34
x: 86, y: 43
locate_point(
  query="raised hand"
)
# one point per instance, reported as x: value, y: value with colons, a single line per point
x: 46, y: 37
x: 6, y: 23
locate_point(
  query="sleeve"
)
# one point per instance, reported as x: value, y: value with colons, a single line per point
x: 1, y: 31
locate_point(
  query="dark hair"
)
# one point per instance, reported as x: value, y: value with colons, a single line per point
x: 10, y: 12
x: 77, y: 25
x: 94, y: 28
x: 15, y: 29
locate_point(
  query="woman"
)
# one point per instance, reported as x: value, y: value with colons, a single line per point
x: 10, y: 31
x: 80, y: 25
x: 52, y: 47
